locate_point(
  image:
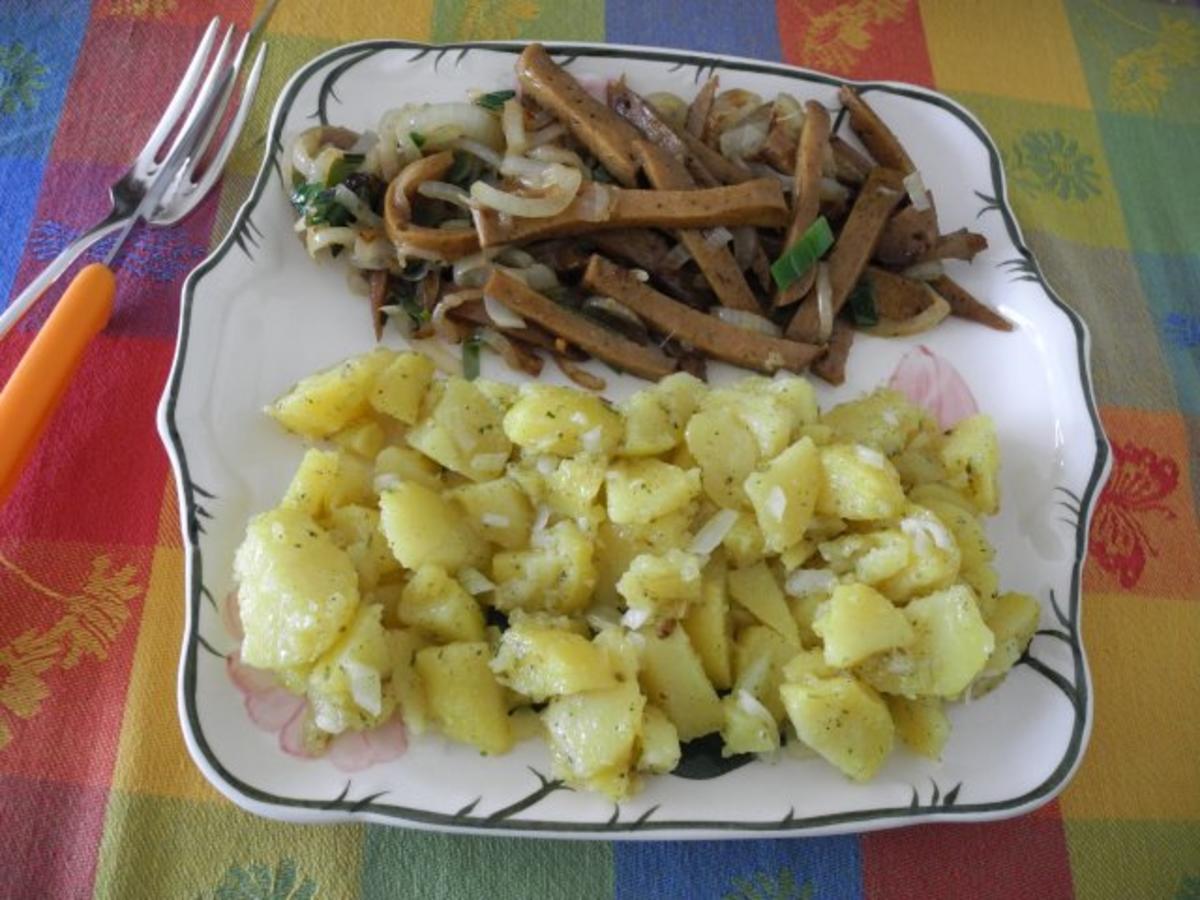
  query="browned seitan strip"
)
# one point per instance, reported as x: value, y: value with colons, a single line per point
x: 854, y: 246
x: 879, y: 140
x: 603, y: 132
x: 699, y: 108
x: 641, y: 115
x: 739, y: 346
x: 473, y: 312
x: 647, y: 249
x: 759, y: 202
x: 600, y: 342
x: 814, y: 138
x: 961, y: 244
x: 378, y: 281
x: 910, y: 234
x: 850, y: 166
x: 895, y: 297
x: 397, y: 212
x: 725, y: 170
x: 716, y: 262
x: 964, y: 305
x: 832, y: 365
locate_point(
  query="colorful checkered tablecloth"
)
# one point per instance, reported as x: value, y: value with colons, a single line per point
x: 1096, y: 107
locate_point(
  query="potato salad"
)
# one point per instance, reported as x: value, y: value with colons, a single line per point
x: 497, y: 563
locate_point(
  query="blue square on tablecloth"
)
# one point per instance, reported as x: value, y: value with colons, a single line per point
x: 797, y: 869
x: 38, y: 46
x: 20, y: 180
x: 715, y: 26
x: 1171, y: 284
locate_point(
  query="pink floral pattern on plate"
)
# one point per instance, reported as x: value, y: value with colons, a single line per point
x: 930, y: 382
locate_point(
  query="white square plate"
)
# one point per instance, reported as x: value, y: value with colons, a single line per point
x: 258, y: 314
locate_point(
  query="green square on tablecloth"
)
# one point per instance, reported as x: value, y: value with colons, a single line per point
x: 490, y: 20
x: 1134, y: 859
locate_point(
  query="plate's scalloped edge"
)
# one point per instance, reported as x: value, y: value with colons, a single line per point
x: 348, y: 809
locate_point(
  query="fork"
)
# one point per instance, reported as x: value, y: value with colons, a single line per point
x: 160, y: 188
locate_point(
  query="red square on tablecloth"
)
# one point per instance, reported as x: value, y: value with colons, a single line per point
x: 68, y: 629
x: 97, y: 473
x: 1022, y: 857
x: 862, y: 39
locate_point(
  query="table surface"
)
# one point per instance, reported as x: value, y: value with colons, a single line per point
x: 1095, y: 105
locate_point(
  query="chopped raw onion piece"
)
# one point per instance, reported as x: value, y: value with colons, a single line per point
x: 500, y: 314
x: 712, y: 532
x: 564, y: 185
x: 475, y: 582
x: 718, y: 237
x: 740, y: 318
x: 365, y: 687
x: 824, y: 303
x: 559, y: 155
x: 443, y: 190
x: 809, y: 581
x: 363, y: 215
x: 800, y: 257
x: 487, y: 154
x: 513, y: 120
x: 747, y: 137
x: 917, y: 191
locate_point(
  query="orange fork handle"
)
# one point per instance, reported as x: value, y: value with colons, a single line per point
x: 38, y: 383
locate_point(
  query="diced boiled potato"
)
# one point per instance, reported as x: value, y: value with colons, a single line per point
x: 639, y: 490
x: 759, y: 656
x: 559, y: 420
x: 749, y: 726
x: 744, y: 543
x: 784, y: 494
x: 387, y: 596
x: 400, y: 388
x: 797, y: 555
x: 951, y: 647
x: 649, y: 429
x: 345, y: 686
x: 673, y: 679
x: 757, y: 590
x: 663, y: 533
x: 594, y: 735
x: 657, y: 587
x: 574, y: 485
x: 884, y: 420
x: 500, y: 393
x: 437, y: 604
x: 707, y: 625
x: 842, y: 719
x: 327, y: 479
x: 805, y: 665
x: 540, y: 662
x: 766, y: 416
x: 363, y: 438
x: 356, y: 530
x: 463, y: 431
x: 804, y: 610
x: 660, y: 742
x: 616, y: 548
x: 726, y: 452
x: 1013, y: 620
x: 872, y: 557
x: 405, y: 684
x: 556, y: 574
x: 859, y: 483
x: 423, y: 527
x: 498, y: 509
x: 681, y: 395
x: 798, y: 395
x: 296, y: 590
x: 935, y: 557
x: 920, y: 463
x: 539, y: 618
x: 857, y: 622
x: 464, y: 697
x: 621, y: 651
x: 920, y: 723
x: 975, y: 551
x: 396, y: 464
x: 971, y: 455
x: 325, y: 403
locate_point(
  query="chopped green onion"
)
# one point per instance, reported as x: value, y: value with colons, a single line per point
x: 495, y: 100
x: 417, y: 138
x: 462, y: 172
x: 862, y: 304
x: 470, y: 357
x: 802, y: 255
x: 342, y: 167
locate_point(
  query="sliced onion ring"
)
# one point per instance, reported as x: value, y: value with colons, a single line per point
x: 749, y: 321
x: 712, y: 532
x: 917, y: 192
x: 824, y: 303
x: 501, y: 315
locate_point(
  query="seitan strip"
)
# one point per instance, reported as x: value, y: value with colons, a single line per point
x: 748, y: 349
x: 720, y: 269
x: 602, y: 343
x: 964, y: 305
x: 961, y: 244
x: 473, y: 312
x: 832, y: 365
x: 699, y: 108
x: 605, y: 134
x: 910, y: 235
x: 879, y: 140
x: 726, y: 171
x: 397, y: 212
x: 759, y: 202
x: 378, y: 281
x: 895, y: 297
x: 646, y: 249
x: 854, y: 246
x: 810, y: 151
x: 633, y: 108
x: 850, y: 166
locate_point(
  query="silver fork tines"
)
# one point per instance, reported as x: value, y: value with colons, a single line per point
x: 159, y: 187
